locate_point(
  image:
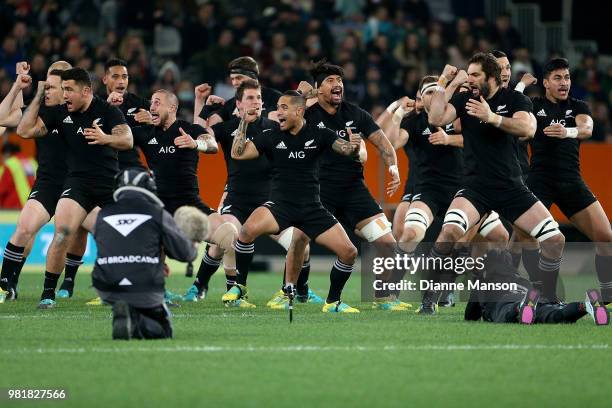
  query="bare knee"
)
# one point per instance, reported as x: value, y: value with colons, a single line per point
x: 498, y: 236
x: 553, y: 246
x: 246, y: 233
x: 409, y: 235
x: 450, y: 233
x: 23, y: 234
x: 348, y: 254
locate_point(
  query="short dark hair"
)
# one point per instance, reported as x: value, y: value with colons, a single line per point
x: 246, y: 64
x: 244, y: 85
x: 499, y: 54
x: 296, y: 98
x: 56, y: 72
x: 555, y: 64
x: 78, y: 75
x: 489, y: 65
x: 322, y: 69
x: 114, y: 62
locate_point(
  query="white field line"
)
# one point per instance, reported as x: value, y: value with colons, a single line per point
x: 302, y: 348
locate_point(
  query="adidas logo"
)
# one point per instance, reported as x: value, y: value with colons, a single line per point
x: 541, y: 113
x: 153, y: 141
x: 321, y: 125
x: 55, y: 131
x: 125, y: 282
x: 426, y: 132
x: 67, y: 119
x: 281, y: 145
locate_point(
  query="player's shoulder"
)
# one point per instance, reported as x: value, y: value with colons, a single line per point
x: 578, y: 103
x: 351, y: 108
x: 136, y: 101
x: 266, y: 123
x: 270, y: 92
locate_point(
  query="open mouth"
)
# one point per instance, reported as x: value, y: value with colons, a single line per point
x: 155, y: 117
x: 68, y: 105
x: 336, y: 93
x: 563, y: 91
x: 120, y: 89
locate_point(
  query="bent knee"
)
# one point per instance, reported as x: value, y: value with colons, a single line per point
x: 450, y: 233
x: 348, y: 254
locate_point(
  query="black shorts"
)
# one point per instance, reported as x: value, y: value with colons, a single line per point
x: 171, y: 204
x: 313, y: 219
x: 571, y: 196
x: 88, y: 193
x: 241, y: 211
x: 408, y: 190
x: 350, y: 204
x: 47, y: 193
x: 510, y: 201
x: 437, y: 199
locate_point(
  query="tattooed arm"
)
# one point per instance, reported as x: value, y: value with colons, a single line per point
x: 243, y: 149
x: 388, y: 155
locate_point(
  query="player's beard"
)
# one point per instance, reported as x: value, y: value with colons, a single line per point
x: 483, y: 90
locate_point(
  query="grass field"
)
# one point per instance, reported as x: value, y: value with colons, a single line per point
x: 229, y: 357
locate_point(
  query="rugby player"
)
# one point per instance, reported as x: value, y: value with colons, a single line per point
x: 521, y: 245
x: 247, y: 188
x: 134, y: 108
x: 40, y: 207
x: 93, y: 131
x: 562, y: 123
x: 294, y: 151
x: 520, y: 304
x: 343, y: 189
x: 218, y: 110
x: 171, y: 147
x: 491, y: 118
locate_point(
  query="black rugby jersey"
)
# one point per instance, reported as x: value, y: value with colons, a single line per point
x: 130, y: 107
x: 551, y: 155
x: 490, y: 153
x: 437, y: 165
x: 51, y: 155
x: 246, y: 179
x: 335, y: 168
x: 175, y: 169
x: 85, y: 160
x: 295, y: 161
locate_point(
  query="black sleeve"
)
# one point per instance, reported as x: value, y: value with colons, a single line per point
x: 50, y: 115
x: 176, y: 244
x: 581, y: 108
x: 327, y: 138
x: 219, y: 130
x: 458, y: 101
x: 521, y: 103
x: 145, y: 104
x: 195, y: 130
x: 407, y: 124
x: 140, y: 134
x: 262, y: 143
x: 112, y: 118
x: 367, y: 124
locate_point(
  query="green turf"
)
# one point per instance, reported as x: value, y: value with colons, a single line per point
x: 232, y: 357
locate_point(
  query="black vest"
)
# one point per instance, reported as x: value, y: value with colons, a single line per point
x: 128, y: 234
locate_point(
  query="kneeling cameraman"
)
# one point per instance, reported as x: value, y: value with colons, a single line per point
x: 132, y: 235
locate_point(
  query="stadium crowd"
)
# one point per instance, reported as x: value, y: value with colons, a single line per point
x: 385, y: 47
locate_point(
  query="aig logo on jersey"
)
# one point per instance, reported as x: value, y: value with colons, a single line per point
x: 167, y: 149
x: 297, y: 155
